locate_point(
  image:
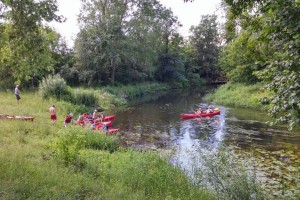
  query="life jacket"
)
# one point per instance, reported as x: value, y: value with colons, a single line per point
x: 68, y: 119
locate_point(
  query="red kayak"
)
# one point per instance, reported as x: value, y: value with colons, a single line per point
x: 113, y: 130
x: 110, y: 131
x: 108, y: 118
x: 99, y: 125
x: 190, y: 116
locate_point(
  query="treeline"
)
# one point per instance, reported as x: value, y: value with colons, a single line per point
x: 120, y: 42
x: 136, y: 41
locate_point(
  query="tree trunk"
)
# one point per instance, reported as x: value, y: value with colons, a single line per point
x: 113, y: 71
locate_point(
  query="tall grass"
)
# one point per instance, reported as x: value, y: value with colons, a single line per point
x: 141, y: 173
x: 84, y: 97
x: 239, y: 95
x: 56, y: 87
x: 226, y: 175
x: 70, y: 141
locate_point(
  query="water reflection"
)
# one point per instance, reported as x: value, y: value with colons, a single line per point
x: 240, y: 127
x: 156, y: 124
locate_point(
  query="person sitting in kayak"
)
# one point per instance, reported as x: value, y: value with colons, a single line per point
x: 68, y: 119
x: 105, y: 127
x: 198, y: 111
x: 95, y: 116
x: 101, y: 116
x: 80, y: 120
x: 209, y: 110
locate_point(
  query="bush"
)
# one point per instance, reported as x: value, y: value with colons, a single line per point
x: 54, y: 86
x: 68, y: 144
x: 75, y: 138
x: 195, y: 80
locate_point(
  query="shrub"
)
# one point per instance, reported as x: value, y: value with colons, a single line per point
x: 68, y: 144
x: 54, y: 86
x: 75, y: 138
x: 195, y: 80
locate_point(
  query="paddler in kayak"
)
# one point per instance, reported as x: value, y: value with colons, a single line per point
x: 198, y: 111
x: 209, y: 110
x: 95, y: 114
x: 101, y: 116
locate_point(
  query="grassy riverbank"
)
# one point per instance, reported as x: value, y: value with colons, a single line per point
x: 104, y: 97
x: 40, y: 160
x: 238, y: 95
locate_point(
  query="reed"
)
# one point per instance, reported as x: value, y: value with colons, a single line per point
x: 85, y: 97
x: 228, y: 176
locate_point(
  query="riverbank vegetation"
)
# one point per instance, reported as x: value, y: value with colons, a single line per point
x: 136, y: 42
x: 101, y: 97
x: 44, y: 160
x: 40, y: 159
x: 240, y: 95
x: 126, y: 49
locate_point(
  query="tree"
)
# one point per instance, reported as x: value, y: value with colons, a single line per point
x: 244, y: 56
x: 205, y: 43
x: 281, y: 32
x: 26, y: 53
x: 122, y: 40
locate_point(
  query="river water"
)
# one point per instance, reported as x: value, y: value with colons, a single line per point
x: 156, y: 124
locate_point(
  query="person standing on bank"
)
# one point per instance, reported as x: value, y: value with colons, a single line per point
x: 52, y: 111
x: 17, y: 93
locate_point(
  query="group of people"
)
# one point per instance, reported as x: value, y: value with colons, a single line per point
x: 94, y: 120
x: 200, y: 111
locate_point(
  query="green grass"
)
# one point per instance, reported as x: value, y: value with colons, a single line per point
x: 239, y: 95
x: 33, y: 159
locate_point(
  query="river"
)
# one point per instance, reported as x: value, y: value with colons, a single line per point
x: 156, y: 124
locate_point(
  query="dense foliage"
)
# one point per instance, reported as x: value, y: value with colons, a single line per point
x: 274, y: 25
x: 205, y: 44
x: 135, y: 41
x: 123, y: 41
x: 26, y: 44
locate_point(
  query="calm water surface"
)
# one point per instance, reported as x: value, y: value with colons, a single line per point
x: 240, y: 127
x: 156, y: 124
